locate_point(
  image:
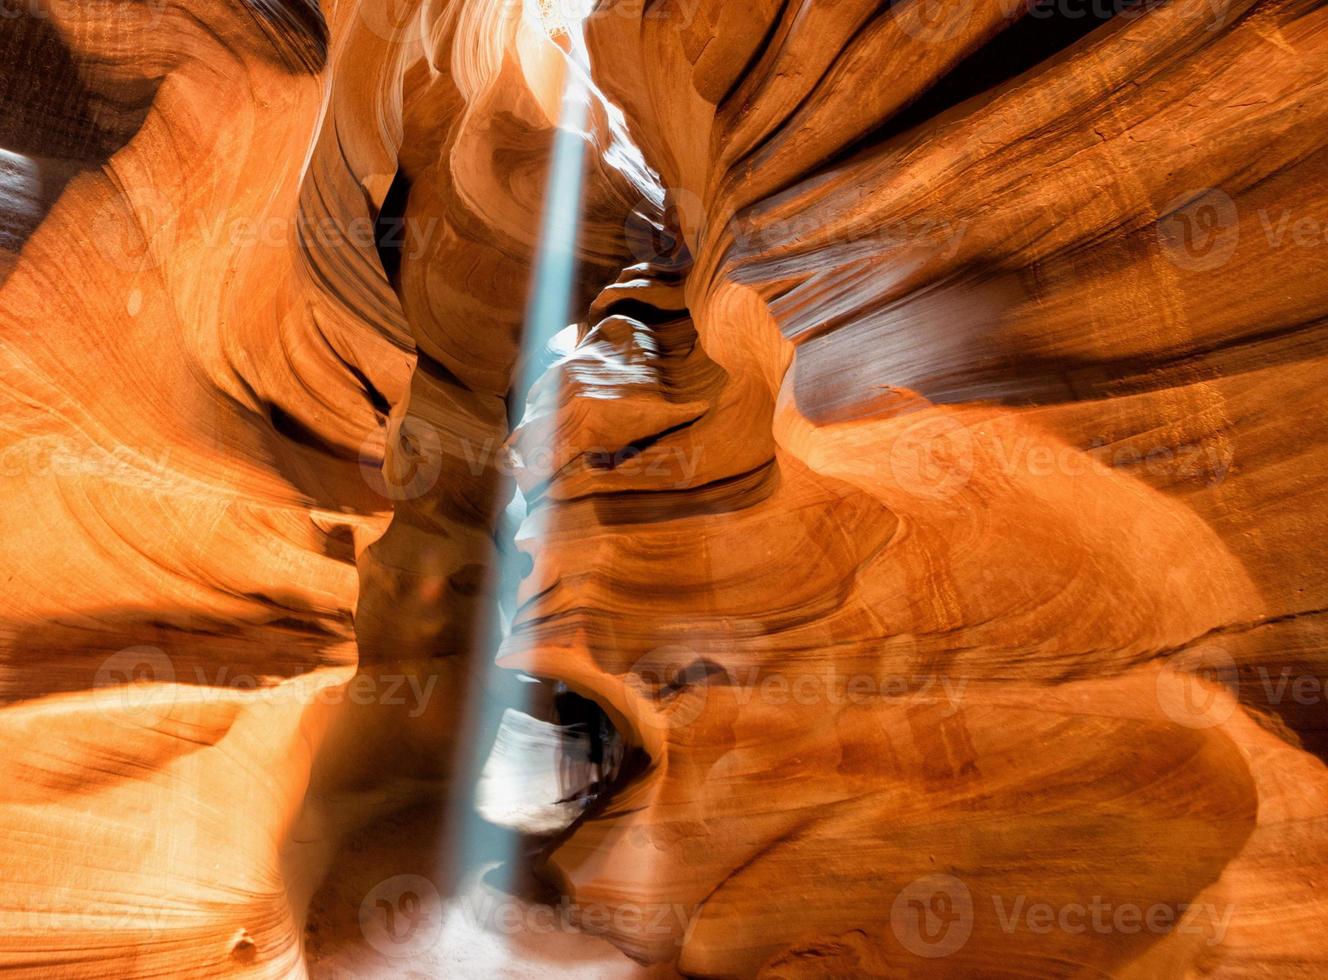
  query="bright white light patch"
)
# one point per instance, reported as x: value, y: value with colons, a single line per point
x: 522, y: 784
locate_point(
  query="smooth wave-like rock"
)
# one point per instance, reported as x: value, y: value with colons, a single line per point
x: 918, y: 523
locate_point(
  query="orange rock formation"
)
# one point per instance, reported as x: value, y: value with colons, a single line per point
x: 927, y: 497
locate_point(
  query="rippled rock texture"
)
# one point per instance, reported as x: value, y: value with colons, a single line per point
x: 921, y: 525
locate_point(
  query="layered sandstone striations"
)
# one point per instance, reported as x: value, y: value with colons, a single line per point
x: 928, y: 495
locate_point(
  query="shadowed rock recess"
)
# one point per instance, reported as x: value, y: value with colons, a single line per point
x: 920, y: 527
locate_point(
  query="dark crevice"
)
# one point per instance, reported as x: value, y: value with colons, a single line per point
x: 647, y: 313
x: 429, y: 367
x: 390, y: 228
x: 633, y: 449
x: 290, y: 427
x: 48, y: 109
x: 758, y: 53
x: 1047, y: 28
x: 59, y: 116
x: 296, y: 29
x: 376, y: 398
x: 726, y: 495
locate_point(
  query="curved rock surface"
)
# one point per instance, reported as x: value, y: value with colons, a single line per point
x: 919, y: 527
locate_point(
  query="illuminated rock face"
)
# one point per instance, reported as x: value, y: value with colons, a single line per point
x: 930, y: 498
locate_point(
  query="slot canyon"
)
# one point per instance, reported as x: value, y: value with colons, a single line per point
x: 663, y: 488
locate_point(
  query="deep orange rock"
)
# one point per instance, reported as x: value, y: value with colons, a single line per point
x: 927, y: 491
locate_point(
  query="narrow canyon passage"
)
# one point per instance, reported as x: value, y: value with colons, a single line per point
x: 663, y: 488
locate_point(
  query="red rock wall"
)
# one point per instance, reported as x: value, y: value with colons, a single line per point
x: 931, y: 495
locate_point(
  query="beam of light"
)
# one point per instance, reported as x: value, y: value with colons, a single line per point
x: 476, y: 843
